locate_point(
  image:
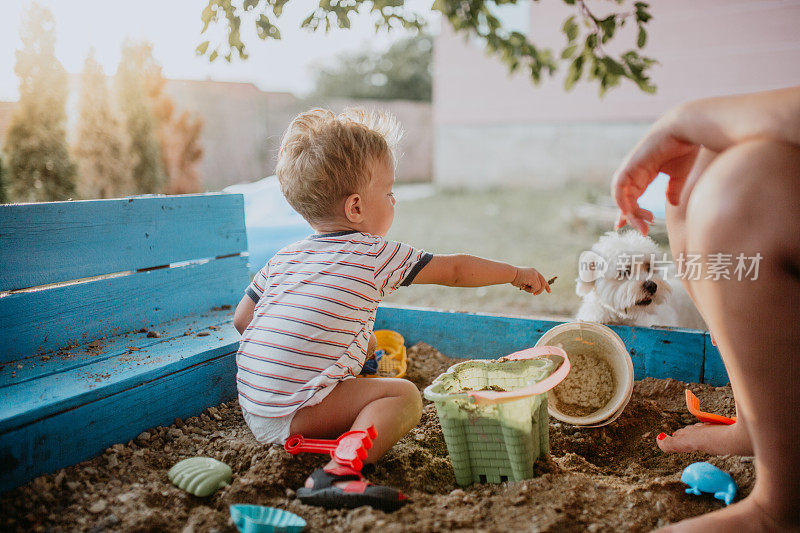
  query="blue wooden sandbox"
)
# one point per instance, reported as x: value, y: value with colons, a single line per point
x: 82, y: 284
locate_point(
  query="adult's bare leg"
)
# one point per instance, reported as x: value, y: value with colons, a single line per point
x: 709, y: 438
x: 748, y: 202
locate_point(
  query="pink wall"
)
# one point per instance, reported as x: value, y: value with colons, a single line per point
x: 704, y: 47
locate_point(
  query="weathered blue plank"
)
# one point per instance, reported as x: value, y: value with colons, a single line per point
x: 82, y: 433
x: 658, y: 353
x: 714, y: 371
x: 465, y: 335
x: 41, y: 365
x: 61, y: 241
x: 25, y: 403
x: 41, y: 321
x: 664, y: 352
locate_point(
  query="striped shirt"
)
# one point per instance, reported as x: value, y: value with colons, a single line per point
x: 315, y: 308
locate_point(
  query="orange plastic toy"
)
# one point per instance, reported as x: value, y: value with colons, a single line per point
x: 693, y: 404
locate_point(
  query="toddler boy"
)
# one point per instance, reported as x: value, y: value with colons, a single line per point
x: 307, y: 317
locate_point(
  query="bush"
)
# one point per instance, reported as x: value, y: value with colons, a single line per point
x: 39, y: 166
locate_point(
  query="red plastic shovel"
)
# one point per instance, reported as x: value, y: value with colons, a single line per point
x: 349, y: 449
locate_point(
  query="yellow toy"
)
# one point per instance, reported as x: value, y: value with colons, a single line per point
x: 394, y: 362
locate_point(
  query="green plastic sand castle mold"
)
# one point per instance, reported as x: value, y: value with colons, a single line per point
x: 495, y: 442
x: 201, y: 476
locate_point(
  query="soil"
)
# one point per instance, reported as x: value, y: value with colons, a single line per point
x: 604, y: 479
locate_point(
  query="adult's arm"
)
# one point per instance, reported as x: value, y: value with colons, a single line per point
x: 672, y: 143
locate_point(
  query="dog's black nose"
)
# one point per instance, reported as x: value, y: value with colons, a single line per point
x: 650, y: 286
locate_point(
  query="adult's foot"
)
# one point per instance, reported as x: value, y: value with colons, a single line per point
x: 715, y: 439
x: 742, y: 517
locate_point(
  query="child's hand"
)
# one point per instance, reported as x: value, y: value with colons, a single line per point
x: 530, y: 280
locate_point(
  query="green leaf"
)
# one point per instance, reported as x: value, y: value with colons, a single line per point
x: 574, y: 73
x: 568, y: 51
x: 608, y: 25
x: 201, y: 48
x: 438, y: 5
x: 209, y: 14
x: 613, y: 66
x: 570, y: 28
x: 642, y: 39
x: 213, y: 55
x: 642, y: 13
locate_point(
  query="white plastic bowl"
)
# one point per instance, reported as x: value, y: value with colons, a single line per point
x: 599, y: 340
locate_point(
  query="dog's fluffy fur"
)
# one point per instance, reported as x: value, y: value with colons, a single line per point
x: 635, y: 296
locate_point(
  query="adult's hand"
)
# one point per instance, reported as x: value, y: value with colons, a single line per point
x: 659, y: 151
x: 673, y: 142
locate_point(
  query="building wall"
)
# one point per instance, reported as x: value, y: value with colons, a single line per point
x: 236, y: 120
x: 244, y: 127
x: 492, y: 128
x: 531, y: 155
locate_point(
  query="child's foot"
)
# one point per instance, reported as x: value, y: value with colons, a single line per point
x: 710, y: 438
x: 742, y: 517
x: 335, y: 487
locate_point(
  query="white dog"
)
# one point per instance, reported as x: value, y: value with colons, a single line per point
x: 625, y: 280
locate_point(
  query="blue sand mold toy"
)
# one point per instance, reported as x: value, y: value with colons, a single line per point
x: 371, y: 365
x: 705, y: 477
x: 260, y: 519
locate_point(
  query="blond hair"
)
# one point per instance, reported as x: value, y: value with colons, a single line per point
x: 325, y: 157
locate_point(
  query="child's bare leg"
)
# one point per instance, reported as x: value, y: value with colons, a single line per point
x: 709, y: 438
x: 393, y: 406
x: 748, y: 201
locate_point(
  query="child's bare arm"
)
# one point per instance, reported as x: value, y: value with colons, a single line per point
x: 243, y: 314
x: 463, y: 270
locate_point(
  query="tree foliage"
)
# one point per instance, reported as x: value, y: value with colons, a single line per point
x: 178, y: 133
x: 148, y: 172
x: 402, y: 72
x: 39, y: 166
x: 3, y: 180
x: 102, y: 146
x: 183, y: 152
x: 586, y: 33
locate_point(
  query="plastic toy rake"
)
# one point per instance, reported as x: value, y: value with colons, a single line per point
x: 349, y: 449
x: 693, y: 404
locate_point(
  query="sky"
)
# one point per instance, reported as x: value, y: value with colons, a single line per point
x: 173, y: 26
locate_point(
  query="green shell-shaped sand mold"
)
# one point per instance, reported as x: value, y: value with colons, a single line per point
x: 201, y: 476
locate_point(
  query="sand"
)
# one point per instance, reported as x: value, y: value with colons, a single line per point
x: 606, y: 479
x: 587, y: 388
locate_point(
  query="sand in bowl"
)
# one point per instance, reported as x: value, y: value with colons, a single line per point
x: 587, y: 388
x: 612, y: 478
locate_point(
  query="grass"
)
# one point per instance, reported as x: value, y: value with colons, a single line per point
x: 521, y: 227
